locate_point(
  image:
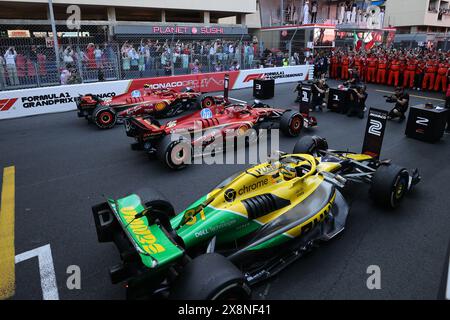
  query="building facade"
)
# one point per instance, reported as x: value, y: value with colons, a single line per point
x: 419, y: 22
x: 23, y: 18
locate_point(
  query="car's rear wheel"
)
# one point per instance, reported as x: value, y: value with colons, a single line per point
x: 207, y: 102
x: 291, y: 123
x: 175, y: 152
x: 153, y: 198
x: 389, y: 185
x: 197, y: 282
x: 310, y: 145
x: 163, y: 209
x: 104, y: 117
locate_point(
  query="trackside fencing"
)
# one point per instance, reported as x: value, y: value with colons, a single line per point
x: 29, y: 102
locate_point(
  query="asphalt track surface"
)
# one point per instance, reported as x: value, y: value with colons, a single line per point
x: 64, y: 165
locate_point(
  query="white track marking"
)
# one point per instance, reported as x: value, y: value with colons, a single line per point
x: 447, y: 294
x: 46, y: 270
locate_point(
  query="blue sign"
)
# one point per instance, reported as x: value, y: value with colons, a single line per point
x: 135, y: 93
x: 206, y: 113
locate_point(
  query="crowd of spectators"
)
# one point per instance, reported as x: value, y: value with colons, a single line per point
x: 36, y: 65
x: 189, y: 56
x: 18, y: 68
x: 151, y: 57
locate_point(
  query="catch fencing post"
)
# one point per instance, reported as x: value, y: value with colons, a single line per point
x: 55, y: 36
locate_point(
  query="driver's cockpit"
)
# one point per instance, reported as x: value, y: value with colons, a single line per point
x: 291, y: 167
x: 149, y: 91
x: 237, y: 110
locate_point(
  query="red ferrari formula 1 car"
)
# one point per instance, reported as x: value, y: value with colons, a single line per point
x: 178, y: 141
x: 105, y: 113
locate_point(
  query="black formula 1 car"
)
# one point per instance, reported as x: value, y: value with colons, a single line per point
x: 247, y: 228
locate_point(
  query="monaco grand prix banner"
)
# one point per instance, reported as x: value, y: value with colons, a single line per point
x: 28, y: 102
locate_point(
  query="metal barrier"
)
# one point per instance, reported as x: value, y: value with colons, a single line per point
x: 94, y: 55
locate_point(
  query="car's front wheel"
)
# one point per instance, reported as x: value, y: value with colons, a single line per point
x: 310, y: 145
x: 389, y: 185
x: 291, y: 123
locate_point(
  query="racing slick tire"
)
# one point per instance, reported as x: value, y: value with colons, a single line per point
x: 291, y: 123
x: 174, y: 151
x: 152, y: 197
x: 206, y: 102
x: 310, y: 145
x: 197, y: 282
x: 104, y: 117
x: 389, y: 185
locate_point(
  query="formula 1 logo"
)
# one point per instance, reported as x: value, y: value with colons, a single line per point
x: 6, y: 104
x: 254, y: 76
x: 422, y: 121
x: 375, y: 127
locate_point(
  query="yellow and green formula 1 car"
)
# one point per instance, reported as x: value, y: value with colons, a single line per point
x: 246, y: 229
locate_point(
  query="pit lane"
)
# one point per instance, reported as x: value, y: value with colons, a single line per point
x: 63, y: 166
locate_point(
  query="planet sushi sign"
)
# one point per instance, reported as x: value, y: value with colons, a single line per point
x: 179, y: 29
x: 188, y: 30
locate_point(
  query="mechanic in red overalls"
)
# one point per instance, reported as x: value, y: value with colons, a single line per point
x: 394, y: 71
x: 372, y: 63
x: 382, y: 66
x: 334, y: 65
x: 351, y: 62
x: 402, y: 60
x: 420, y: 68
x: 357, y: 63
x: 345, y: 61
x: 430, y: 74
x: 363, y: 69
x: 410, y: 72
x: 441, y: 79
